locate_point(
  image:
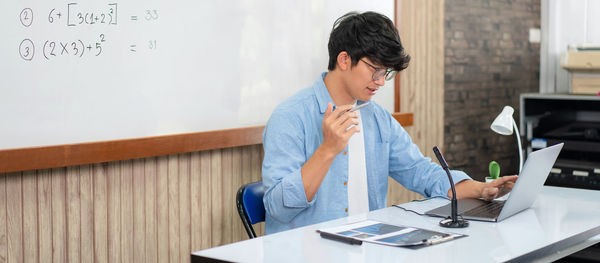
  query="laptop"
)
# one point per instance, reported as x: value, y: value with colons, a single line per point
x: 524, y: 192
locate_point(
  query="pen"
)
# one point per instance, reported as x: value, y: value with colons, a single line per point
x: 439, y: 240
x: 347, y: 240
x: 358, y: 107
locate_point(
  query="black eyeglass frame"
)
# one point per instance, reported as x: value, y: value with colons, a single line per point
x: 388, y: 74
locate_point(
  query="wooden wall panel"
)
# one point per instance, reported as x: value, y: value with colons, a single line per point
x: 205, y: 211
x: 73, y: 215
x: 162, y: 209
x: 184, y: 206
x: 226, y: 195
x: 150, y: 211
x: 422, y: 31
x: 44, y: 206
x: 236, y: 168
x: 59, y: 217
x: 139, y: 209
x: 156, y: 209
x: 86, y: 206
x: 30, y: 242
x: 173, y: 177
x: 14, y: 217
x: 216, y: 185
x: 195, y: 202
x: 126, y: 218
x: 421, y: 27
x: 3, y: 223
x: 100, y: 214
x: 113, y: 183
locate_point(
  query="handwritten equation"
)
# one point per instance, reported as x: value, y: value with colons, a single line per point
x: 76, y: 48
x: 107, y: 16
x: 76, y: 15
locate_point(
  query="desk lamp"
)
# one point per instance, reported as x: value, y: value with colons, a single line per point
x: 503, y: 124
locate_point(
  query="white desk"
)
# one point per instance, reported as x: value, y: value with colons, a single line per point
x: 561, y: 222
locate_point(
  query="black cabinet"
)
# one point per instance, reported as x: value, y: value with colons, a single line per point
x: 548, y: 119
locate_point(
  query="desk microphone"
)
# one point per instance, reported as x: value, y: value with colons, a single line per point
x: 453, y: 221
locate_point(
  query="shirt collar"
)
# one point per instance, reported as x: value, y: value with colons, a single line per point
x: 323, y: 96
x: 322, y: 93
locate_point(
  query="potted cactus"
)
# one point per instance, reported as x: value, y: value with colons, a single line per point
x: 494, y: 171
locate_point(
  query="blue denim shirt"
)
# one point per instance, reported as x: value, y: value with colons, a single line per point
x: 294, y: 132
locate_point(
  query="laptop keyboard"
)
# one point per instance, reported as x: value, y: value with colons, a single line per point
x: 489, y: 210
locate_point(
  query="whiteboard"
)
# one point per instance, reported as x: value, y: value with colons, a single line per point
x: 103, y: 70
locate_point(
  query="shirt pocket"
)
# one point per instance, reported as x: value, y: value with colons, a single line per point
x: 382, y: 158
x: 384, y: 129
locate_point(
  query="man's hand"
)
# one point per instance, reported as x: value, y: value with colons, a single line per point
x: 498, y: 187
x: 336, y: 128
x: 336, y: 133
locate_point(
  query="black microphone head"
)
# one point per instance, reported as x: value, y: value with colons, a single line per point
x: 440, y: 158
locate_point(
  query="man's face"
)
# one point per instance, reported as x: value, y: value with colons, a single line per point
x: 360, y: 84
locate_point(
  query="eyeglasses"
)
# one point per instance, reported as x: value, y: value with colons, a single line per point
x: 389, y: 74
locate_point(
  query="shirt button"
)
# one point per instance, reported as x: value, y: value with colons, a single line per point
x: 345, y: 152
x: 346, y: 210
x: 345, y: 183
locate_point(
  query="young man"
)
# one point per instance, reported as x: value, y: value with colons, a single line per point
x: 323, y: 161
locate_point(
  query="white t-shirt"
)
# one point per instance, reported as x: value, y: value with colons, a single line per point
x: 358, y: 196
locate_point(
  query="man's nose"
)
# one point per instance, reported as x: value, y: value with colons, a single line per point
x: 380, y: 81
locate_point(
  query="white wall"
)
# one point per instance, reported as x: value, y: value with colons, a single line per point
x: 565, y: 22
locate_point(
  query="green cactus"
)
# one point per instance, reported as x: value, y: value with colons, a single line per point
x: 494, y: 170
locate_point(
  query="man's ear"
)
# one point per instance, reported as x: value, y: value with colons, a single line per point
x: 344, y: 62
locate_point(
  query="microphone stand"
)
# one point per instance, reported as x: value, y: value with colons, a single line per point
x: 453, y: 221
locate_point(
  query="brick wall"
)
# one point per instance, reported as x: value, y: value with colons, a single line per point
x: 488, y: 63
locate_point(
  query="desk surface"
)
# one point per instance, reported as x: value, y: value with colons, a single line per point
x: 560, y: 222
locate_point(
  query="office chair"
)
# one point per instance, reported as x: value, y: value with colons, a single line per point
x: 249, y: 200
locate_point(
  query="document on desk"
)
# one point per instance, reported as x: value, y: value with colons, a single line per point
x: 386, y: 234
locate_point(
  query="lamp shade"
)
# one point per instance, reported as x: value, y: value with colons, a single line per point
x: 503, y: 124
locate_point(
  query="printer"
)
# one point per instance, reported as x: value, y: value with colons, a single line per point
x: 548, y: 119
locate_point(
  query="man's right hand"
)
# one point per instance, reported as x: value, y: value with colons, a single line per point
x: 336, y: 134
x: 336, y: 128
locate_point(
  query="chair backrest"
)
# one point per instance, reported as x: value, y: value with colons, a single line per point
x: 249, y: 200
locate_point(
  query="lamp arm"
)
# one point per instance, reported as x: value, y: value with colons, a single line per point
x: 519, y: 143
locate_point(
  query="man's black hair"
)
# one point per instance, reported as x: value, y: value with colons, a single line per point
x: 369, y: 35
